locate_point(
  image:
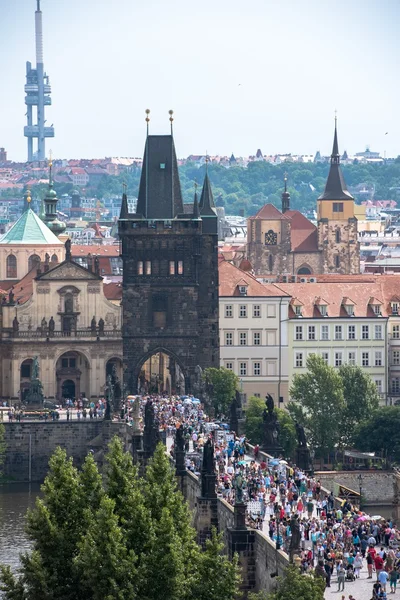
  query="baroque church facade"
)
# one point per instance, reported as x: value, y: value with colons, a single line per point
x: 56, y: 310
x: 285, y: 242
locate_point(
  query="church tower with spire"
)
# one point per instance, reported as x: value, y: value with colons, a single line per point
x: 170, y: 278
x: 337, y: 224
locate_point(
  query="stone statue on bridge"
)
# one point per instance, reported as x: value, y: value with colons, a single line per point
x: 35, y: 397
x: 271, y: 428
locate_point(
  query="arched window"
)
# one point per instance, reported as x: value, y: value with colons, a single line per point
x: 69, y: 303
x: 11, y: 267
x: 270, y: 263
x: 337, y: 234
x: 304, y: 271
x: 33, y: 262
x: 54, y: 259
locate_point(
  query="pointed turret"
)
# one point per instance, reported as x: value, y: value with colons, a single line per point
x: 285, y: 198
x: 335, y: 188
x: 207, y: 208
x: 50, y: 204
x: 196, y: 210
x: 124, y: 206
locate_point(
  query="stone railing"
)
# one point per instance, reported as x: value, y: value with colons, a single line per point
x: 77, y: 333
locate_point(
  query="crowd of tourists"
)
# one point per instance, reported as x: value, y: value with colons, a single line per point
x: 336, y: 540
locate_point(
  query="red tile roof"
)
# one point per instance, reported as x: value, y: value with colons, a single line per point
x: 113, y: 290
x: 230, y: 277
x: 99, y: 250
x: 360, y: 290
x: 269, y: 211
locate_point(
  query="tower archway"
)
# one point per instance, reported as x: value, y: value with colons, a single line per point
x: 159, y: 372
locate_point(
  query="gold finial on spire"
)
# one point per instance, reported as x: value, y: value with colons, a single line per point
x: 171, y: 118
x: 28, y: 197
x: 147, y: 119
x: 50, y: 158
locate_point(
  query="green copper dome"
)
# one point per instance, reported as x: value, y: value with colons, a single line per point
x: 29, y: 229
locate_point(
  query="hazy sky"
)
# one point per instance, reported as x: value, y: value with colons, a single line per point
x: 296, y: 61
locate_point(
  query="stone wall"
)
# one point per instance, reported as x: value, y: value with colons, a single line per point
x: 377, y: 486
x: 43, y: 438
x: 268, y: 560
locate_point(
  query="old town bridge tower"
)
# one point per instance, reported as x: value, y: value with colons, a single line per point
x: 170, y: 278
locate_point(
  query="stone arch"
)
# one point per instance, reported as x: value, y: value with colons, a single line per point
x: 54, y: 259
x: 304, y: 269
x: 171, y: 373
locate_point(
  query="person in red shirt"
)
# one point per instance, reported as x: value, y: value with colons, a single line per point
x: 378, y: 560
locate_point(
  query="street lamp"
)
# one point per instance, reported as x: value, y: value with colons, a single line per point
x: 360, y: 480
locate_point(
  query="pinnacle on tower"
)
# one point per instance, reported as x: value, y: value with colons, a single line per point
x: 207, y: 208
x: 285, y: 197
x: 335, y: 188
x: 50, y: 203
x: 196, y: 210
x: 124, y: 212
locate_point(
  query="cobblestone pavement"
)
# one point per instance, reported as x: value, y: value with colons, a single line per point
x: 361, y: 588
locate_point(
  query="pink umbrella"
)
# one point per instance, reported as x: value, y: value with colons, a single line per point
x: 363, y: 518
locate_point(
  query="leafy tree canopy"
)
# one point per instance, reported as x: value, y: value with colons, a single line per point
x: 294, y: 586
x: 225, y: 384
x: 124, y: 538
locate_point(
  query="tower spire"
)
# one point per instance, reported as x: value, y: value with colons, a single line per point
x: 285, y: 196
x: 196, y: 211
x: 335, y: 188
x: 171, y: 120
x: 124, y: 212
x: 50, y: 205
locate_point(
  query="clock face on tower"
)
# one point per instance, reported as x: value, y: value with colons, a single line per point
x: 271, y: 238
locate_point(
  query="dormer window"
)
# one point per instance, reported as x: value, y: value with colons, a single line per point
x: 376, y: 306
x: 376, y: 309
x: 395, y: 308
x: 349, y: 308
x: 323, y: 309
x: 243, y: 290
x: 297, y: 310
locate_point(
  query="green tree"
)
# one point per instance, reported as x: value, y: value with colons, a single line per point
x: 217, y: 577
x: 225, y: 384
x: 125, y: 538
x: 287, y: 434
x: 294, y: 586
x: 254, y: 419
x: 361, y: 399
x: 318, y: 403
x: 380, y: 433
x: 107, y: 569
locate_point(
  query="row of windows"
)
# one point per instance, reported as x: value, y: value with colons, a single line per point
x: 256, y: 337
x: 175, y: 267
x: 33, y: 260
x: 367, y: 359
x: 255, y: 368
x: 310, y: 332
x: 244, y: 310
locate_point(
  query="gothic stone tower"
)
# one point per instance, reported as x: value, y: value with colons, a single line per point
x: 170, y: 272
x: 337, y: 225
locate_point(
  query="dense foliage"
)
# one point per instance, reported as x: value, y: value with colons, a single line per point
x: 250, y: 188
x: 331, y: 402
x: 294, y: 586
x: 380, y: 433
x: 126, y: 538
x: 224, y: 384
